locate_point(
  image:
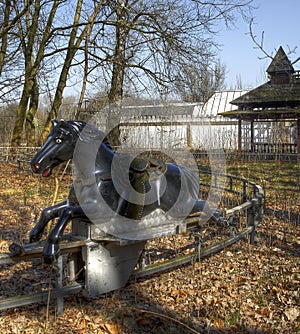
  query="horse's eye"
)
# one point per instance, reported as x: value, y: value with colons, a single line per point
x: 58, y: 140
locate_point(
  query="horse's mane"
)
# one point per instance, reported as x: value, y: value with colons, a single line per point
x: 87, y: 132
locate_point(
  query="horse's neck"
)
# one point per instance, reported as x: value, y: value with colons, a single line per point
x: 104, y: 160
x: 89, y: 162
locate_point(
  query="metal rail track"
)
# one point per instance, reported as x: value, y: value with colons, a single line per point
x: 252, y: 207
x: 60, y: 293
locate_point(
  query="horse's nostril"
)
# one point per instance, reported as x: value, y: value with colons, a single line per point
x: 37, y: 166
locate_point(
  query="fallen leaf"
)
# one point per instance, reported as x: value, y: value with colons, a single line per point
x: 292, y: 313
x: 112, y: 328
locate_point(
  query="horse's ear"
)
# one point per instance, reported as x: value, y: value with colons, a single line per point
x: 63, y: 124
x: 54, y: 123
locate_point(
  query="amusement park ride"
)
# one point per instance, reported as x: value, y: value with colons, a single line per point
x: 103, y: 256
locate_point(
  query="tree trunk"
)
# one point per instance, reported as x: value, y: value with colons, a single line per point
x: 20, y: 117
x: 115, y: 94
x: 86, y: 70
x: 19, y: 122
x: 3, y: 39
x: 74, y: 44
x: 30, y: 88
x: 33, y: 107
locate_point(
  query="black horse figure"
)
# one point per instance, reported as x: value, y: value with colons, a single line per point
x: 95, y: 195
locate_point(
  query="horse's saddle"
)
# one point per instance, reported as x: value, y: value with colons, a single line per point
x: 142, y: 172
x: 152, y: 168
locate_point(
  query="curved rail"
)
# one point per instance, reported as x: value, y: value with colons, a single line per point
x: 249, y: 197
x: 252, y: 195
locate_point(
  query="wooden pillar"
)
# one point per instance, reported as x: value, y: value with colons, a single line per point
x: 252, y: 136
x: 298, y: 139
x: 189, y: 135
x: 240, y: 137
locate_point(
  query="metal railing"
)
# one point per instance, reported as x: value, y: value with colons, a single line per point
x: 280, y: 148
x: 19, y: 154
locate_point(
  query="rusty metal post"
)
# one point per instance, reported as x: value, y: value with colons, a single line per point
x: 251, y: 221
x: 59, y: 286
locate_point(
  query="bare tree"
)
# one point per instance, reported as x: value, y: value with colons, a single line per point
x: 11, y: 75
x: 146, y: 44
x: 198, y: 81
x: 259, y: 44
x: 9, y: 19
x: 33, y: 51
x: 123, y: 45
x: 43, y: 39
x: 73, y: 46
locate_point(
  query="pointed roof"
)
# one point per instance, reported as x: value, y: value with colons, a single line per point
x: 280, y: 63
x: 273, y: 99
x: 271, y: 95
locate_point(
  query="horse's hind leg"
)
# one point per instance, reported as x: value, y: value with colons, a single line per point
x: 51, y: 247
x: 202, y: 206
x: 47, y: 214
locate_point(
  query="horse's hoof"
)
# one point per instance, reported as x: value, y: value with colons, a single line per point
x: 219, y: 219
x: 216, y: 214
x: 223, y: 222
x: 51, y: 253
x: 16, y: 250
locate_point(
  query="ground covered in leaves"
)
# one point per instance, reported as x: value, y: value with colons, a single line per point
x: 243, y: 289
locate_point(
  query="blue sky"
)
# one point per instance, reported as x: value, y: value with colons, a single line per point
x: 279, y: 20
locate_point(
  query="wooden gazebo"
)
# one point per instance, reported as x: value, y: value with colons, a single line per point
x: 275, y: 103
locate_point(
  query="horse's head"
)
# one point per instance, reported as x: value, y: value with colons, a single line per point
x: 58, y: 147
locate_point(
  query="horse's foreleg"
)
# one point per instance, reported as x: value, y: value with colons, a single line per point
x: 47, y: 214
x: 51, y: 248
